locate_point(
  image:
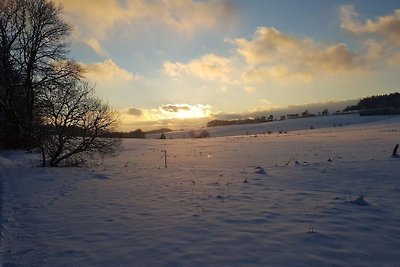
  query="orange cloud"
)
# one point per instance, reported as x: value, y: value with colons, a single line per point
x: 174, y: 115
x: 108, y: 71
x: 381, y: 37
x: 249, y: 89
x: 273, y: 54
x: 278, y: 73
x: 385, y: 26
x: 208, y: 67
x: 97, y: 17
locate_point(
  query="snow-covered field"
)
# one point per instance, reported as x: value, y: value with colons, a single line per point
x: 227, y: 201
x: 287, y: 125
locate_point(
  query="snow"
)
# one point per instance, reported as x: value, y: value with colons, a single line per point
x: 287, y: 125
x: 226, y: 201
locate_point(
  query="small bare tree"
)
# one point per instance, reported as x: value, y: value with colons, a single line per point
x: 70, y: 122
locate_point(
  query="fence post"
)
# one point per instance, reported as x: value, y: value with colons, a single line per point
x: 165, y: 158
x: 395, y: 151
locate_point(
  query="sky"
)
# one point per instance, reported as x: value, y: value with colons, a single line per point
x: 181, y: 63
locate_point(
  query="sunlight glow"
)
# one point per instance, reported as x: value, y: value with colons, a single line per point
x: 185, y: 111
x: 192, y: 113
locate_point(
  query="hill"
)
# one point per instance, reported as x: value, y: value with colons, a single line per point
x: 378, y: 105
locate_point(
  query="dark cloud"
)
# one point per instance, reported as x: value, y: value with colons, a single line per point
x: 135, y: 112
x: 175, y: 108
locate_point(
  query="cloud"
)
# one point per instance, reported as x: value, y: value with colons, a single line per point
x: 380, y: 37
x: 95, y: 45
x: 385, y: 26
x: 209, y: 67
x: 347, y: 16
x: 182, y: 111
x: 265, y: 101
x: 171, y: 115
x: 277, y: 73
x: 108, y: 71
x: 249, y: 89
x: 175, y: 69
x: 394, y: 60
x: 175, y: 108
x: 267, y: 45
x: 271, y: 54
x: 135, y: 112
x: 98, y: 17
x: 93, y: 17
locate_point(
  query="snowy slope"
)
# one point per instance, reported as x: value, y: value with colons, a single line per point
x: 132, y: 211
x: 287, y: 125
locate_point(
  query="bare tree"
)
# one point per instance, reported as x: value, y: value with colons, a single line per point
x: 43, y: 98
x: 70, y: 123
x: 10, y: 80
x: 33, y: 40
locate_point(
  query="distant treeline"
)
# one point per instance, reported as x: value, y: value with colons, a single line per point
x: 377, y: 105
x: 214, y: 123
x: 159, y: 131
x: 135, y: 134
x: 263, y: 119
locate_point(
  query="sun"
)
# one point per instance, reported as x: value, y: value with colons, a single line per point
x: 192, y: 113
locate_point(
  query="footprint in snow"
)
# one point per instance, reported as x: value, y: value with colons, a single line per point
x: 260, y: 170
x: 360, y: 201
x: 100, y: 176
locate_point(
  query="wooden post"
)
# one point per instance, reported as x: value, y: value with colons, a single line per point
x: 395, y: 151
x: 165, y: 158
